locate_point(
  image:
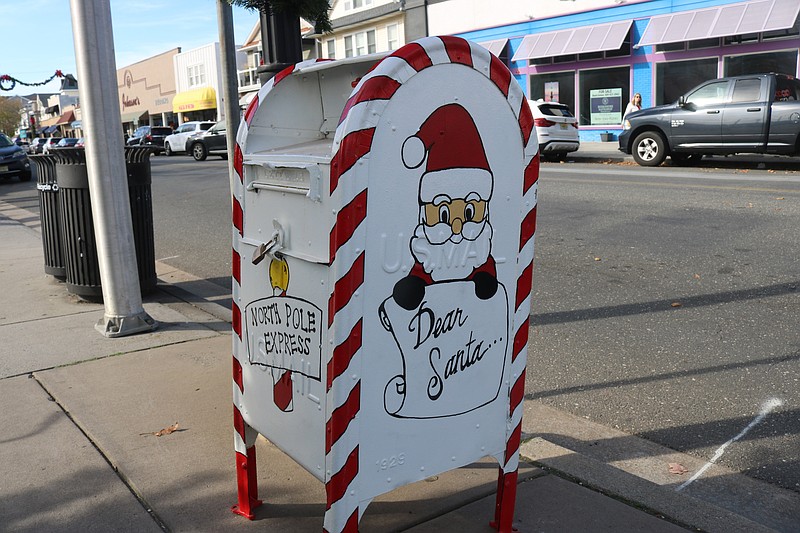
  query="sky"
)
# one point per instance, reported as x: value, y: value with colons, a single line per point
x: 37, y: 35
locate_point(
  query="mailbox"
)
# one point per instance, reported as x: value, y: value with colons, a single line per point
x: 383, y: 229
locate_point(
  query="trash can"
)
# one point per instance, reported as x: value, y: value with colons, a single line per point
x: 49, y: 213
x: 383, y: 229
x: 80, y: 248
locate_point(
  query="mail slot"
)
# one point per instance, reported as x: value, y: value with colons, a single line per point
x: 383, y: 230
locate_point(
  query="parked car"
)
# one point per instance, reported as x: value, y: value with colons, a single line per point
x: 178, y: 141
x: 152, y: 136
x: 556, y: 129
x: 37, y: 145
x: 13, y: 160
x: 67, y: 142
x: 80, y: 144
x: 743, y: 114
x: 211, y: 142
x: 49, y: 144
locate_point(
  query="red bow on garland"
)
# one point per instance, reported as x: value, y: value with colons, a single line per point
x: 5, y: 79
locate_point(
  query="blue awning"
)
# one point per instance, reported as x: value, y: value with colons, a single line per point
x: 76, y: 124
x: 50, y: 129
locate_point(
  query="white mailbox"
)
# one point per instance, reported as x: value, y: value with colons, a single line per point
x: 384, y: 220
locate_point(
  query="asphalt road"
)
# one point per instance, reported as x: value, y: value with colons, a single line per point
x: 666, y: 301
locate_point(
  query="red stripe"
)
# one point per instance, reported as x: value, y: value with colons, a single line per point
x: 341, y: 418
x: 415, y: 55
x: 238, y: 216
x: 343, y: 354
x: 531, y: 174
x: 528, y: 228
x: 521, y: 339
x: 337, y: 486
x: 525, y: 121
x: 524, y: 284
x: 352, y: 523
x: 500, y: 75
x: 238, y: 162
x: 517, y: 393
x: 352, y: 148
x: 377, y: 88
x: 236, y: 266
x: 237, y: 374
x: 347, y: 220
x: 282, y: 393
x: 251, y: 111
x: 282, y: 74
x: 458, y: 50
x: 345, y: 287
x: 236, y: 317
x: 512, y: 446
x: 238, y: 422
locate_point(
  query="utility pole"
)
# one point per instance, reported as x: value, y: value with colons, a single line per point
x: 230, y: 79
x: 108, y: 177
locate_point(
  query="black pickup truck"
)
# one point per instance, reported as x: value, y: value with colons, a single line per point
x: 744, y: 114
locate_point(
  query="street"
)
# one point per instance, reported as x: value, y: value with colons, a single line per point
x: 665, y: 300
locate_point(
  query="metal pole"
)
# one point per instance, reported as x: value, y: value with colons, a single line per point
x: 105, y: 162
x: 230, y: 79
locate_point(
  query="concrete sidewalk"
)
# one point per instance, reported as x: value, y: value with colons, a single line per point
x: 78, y: 450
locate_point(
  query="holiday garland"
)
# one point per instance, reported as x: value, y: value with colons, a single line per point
x: 5, y: 79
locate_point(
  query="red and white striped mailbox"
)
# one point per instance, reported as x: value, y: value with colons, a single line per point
x: 384, y: 219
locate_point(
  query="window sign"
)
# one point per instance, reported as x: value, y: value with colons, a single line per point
x: 605, y: 106
x: 551, y: 91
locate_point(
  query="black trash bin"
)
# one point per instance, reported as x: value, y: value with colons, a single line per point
x: 49, y: 212
x: 77, y: 229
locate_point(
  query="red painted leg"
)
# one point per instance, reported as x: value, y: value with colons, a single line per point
x: 504, y: 504
x: 247, y: 484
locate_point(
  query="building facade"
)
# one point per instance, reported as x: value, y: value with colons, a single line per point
x: 595, y: 55
x: 146, y: 90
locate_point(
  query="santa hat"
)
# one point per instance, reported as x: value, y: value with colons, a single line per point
x: 456, y: 162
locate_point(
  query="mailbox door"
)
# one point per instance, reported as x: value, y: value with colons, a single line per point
x: 442, y: 263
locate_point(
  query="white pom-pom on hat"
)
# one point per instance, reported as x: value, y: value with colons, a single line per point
x: 413, y: 152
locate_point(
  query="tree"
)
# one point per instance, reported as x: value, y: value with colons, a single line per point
x: 10, y: 107
x: 312, y: 10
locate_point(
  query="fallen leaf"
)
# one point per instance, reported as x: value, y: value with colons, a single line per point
x: 166, y: 431
x: 677, y: 468
x: 697, y: 276
x: 780, y: 198
x: 597, y: 259
x: 676, y: 304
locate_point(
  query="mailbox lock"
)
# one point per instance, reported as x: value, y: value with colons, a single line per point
x: 272, y: 247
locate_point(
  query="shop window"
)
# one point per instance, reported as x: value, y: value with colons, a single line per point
x: 703, y: 43
x: 675, y: 78
x: 565, y: 59
x: 541, y: 61
x: 604, y: 93
x: 671, y: 47
x: 555, y: 87
x: 740, y: 39
x: 590, y: 56
x: 782, y: 62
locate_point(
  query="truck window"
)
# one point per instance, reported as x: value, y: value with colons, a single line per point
x: 747, y: 90
x: 711, y: 94
x: 788, y: 89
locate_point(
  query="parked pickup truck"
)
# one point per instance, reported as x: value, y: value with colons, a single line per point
x: 745, y: 114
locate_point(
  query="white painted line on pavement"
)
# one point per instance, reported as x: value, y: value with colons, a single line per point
x: 768, y: 406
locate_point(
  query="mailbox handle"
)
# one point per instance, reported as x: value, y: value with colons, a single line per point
x: 314, y: 192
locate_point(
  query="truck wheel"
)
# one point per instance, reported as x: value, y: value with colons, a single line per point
x: 199, y: 152
x: 649, y: 149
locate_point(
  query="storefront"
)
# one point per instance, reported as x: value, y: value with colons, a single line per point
x: 595, y: 61
x: 146, y: 90
x: 196, y: 104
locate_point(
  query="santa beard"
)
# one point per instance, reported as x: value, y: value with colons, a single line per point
x: 434, y: 248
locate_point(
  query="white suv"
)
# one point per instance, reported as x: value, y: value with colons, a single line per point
x: 177, y: 142
x: 556, y: 129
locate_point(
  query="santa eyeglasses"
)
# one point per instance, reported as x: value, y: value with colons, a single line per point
x: 453, y: 219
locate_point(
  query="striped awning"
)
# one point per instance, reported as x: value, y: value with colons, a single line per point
x: 495, y: 47
x: 722, y: 21
x: 581, y: 40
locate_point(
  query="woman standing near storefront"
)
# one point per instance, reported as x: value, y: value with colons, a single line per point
x: 634, y: 105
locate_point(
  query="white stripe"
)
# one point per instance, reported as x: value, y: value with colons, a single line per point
x: 435, y: 49
x: 336, y: 517
x: 481, y: 59
x: 346, y: 318
x: 238, y: 443
x: 766, y: 409
x: 341, y: 449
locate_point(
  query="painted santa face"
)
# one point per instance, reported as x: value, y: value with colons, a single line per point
x: 445, y: 255
x: 454, y: 220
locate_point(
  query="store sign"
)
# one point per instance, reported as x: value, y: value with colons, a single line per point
x: 605, y: 106
x: 551, y: 91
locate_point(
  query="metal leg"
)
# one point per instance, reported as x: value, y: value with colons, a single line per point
x: 506, y: 499
x: 245, y: 469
